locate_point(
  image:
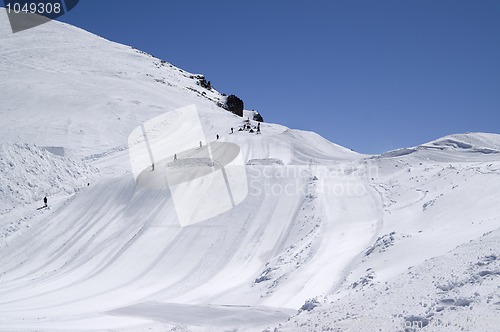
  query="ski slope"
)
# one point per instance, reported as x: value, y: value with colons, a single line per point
x: 319, y: 221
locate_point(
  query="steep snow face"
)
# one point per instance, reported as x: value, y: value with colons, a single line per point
x: 319, y: 220
x: 67, y: 88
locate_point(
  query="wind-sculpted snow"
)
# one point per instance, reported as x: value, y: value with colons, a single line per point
x: 447, y: 293
x: 28, y: 173
x: 454, y: 147
x: 473, y: 141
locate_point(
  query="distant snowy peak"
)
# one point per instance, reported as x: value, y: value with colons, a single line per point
x: 460, y: 144
x: 474, y: 142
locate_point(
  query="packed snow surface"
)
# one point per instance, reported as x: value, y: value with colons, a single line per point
x: 325, y: 239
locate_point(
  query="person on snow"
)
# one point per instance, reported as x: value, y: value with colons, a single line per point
x: 45, y: 201
x: 217, y: 136
x: 175, y: 157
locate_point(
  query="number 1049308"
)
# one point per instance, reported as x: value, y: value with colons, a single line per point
x: 41, y: 8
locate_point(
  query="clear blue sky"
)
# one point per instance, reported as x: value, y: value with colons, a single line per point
x: 370, y: 75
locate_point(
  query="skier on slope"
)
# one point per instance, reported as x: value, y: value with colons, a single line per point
x: 45, y: 201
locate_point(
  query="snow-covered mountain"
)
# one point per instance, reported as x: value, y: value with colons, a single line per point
x: 360, y: 242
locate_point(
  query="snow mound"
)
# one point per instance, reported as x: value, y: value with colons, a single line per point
x: 252, y: 115
x: 398, y: 153
x: 28, y: 173
x: 322, y: 148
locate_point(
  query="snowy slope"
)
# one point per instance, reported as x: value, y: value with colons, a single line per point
x: 459, y: 294
x: 319, y: 221
x: 85, y: 94
x: 412, y: 275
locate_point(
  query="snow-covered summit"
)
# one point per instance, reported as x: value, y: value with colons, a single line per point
x: 469, y: 145
x: 67, y: 88
x: 474, y: 142
x: 63, y: 86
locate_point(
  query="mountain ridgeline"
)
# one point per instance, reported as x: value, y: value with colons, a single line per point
x: 232, y: 103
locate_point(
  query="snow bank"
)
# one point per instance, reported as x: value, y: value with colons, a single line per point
x: 28, y: 173
x: 457, y: 291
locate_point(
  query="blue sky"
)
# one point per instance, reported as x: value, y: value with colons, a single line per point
x: 370, y: 75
